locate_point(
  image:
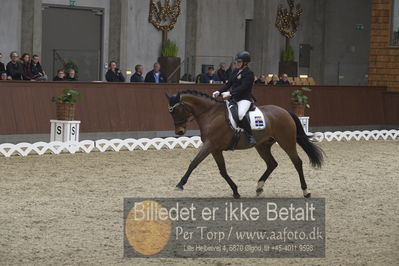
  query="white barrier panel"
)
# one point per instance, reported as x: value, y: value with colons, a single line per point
x: 86, y: 146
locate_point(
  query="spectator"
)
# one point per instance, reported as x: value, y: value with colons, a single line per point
x: 261, y: 80
x: 138, y: 75
x: 60, y: 75
x: 210, y: 76
x: 155, y: 75
x: 284, y: 80
x: 2, y: 67
x: 14, y: 67
x: 230, y: 70
x: 222, y: 74
x: 36, y: 69
x: 71, y: 76
x: 274, y: 80
x: 114, y: 74
x: 3, y: 75
x: 26, y: 71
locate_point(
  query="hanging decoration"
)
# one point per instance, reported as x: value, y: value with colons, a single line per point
x: 164, y: 15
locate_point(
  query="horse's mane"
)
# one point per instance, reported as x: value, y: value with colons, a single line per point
x: 201, y: 94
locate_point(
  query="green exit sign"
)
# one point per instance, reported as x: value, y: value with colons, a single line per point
x: 72, y: 3
x: 359, y: 27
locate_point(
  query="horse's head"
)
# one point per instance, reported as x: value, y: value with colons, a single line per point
x: 179, y: 113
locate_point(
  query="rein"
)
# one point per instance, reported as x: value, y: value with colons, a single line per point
x: 184, y: 121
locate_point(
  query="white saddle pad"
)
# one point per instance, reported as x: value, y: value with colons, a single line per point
x: 256, y: 117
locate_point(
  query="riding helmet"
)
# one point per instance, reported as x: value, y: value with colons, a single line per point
x: 243, y: 56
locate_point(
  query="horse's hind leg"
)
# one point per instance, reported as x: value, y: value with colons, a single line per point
x: 218, y: 156
x: 264, y: 151
x: 292, y: 152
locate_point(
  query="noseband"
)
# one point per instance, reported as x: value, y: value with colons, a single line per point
x: 172, y: 108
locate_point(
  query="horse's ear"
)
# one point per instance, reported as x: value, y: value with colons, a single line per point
x: 178, y: 96
x: 167, y: 96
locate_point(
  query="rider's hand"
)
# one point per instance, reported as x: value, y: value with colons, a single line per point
x: 215, y: 94
x: 226, y: 94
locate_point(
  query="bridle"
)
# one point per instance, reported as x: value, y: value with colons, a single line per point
x: 185, y: 120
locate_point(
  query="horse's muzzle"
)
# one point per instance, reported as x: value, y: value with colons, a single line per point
x: 180, y: 131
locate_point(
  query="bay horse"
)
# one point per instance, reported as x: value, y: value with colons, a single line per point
x: 211, y: 116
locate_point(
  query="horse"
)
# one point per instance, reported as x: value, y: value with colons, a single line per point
x: 211, y: 116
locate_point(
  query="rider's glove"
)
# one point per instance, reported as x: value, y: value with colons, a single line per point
x: 226, y: 94
x: 215, y: 94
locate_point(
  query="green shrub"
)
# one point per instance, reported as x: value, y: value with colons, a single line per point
x: 68, y: 96
x: 287, y: 55
x: 169, y: 48
x: 298, y: 97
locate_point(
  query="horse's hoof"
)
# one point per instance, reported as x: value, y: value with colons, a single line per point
x: 307, y: 195
x: 259, y: 191
x: 236, y: 196
x: 179, y: 187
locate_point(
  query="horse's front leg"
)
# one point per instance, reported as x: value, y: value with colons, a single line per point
x: 203, y: 153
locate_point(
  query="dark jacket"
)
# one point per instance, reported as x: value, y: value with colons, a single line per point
x: 229, y: 72
x: 14, y: 70
x: 116, y: 76
x: 205, y: 78
x: 2, y: 67
x: 26, y: 72
x: 282, y: 82
x: 56, y: 78
x: 136, y: 77
x: 36, y: 69
x: 71, y: 79
x: 241, y: 83
x: 258, y: 81
x: 151, y: 78
x: 272, y: 82
x: 222, y: 75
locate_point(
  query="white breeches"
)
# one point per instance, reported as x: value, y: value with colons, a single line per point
x: 243, y: 107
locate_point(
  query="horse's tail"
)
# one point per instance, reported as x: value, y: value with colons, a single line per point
x: 314, y: 152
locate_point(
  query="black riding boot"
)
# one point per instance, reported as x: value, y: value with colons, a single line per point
x: 244, y: 124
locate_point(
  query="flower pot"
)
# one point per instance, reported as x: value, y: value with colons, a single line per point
x: 65, y: 111
x: 298, y: 108
x: 168, y: 65
x: 289, y: 68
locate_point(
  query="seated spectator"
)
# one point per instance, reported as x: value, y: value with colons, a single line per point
x: 71, y: 76
x: 3, y: 75
x: 222, y: 75
x: 26, y: 70
x: 284, y: 80
x: 36, y: 69
x: 210, y: 76
x: 14, y: 67
x: 60, y: 75
x: 2, y: 67
x: 274, y: 80
x: 155, y: 75
x: 261, y: 80
x: 230, y: 70
x: 138, y: 75
x: 114, y: 74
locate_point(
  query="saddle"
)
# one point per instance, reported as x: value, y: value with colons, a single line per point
x: 254, y: 114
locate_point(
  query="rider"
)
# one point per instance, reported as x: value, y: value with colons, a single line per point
x: 241, y: 82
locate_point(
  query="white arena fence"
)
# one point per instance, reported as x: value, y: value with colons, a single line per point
x: 87, y: 146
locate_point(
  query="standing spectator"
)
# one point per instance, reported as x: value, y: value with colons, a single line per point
x: 71, y: 76
x: 284, y: 80
x: 26, y: 70
x: 261, y: 80
x: 60, y: 75
x: 114, y: 74
x: 36, y: 69
x: 2, y: 67
x: 155, y: 75
x: 274, y: 80
x: 210, y: 76
x: 222, y: 74
x: 138, y: 75
x: 230, y: 70
x: 14, y: 67
x: 3, y: 75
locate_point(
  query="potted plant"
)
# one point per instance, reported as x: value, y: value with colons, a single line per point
x: 287, y: 23
x: 169, y: 61
x: 65, y: 104
x: 299, y: 101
